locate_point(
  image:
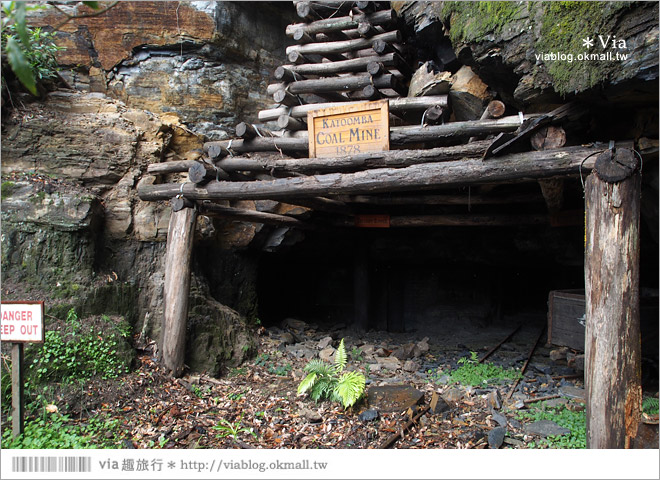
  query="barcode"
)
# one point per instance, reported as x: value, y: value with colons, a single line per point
x: 51, y: 464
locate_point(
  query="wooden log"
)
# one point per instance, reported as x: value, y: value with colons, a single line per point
x: 17, y: 389
x: 333, y: 84
x: 165, y: 168
x: 285, y: 98
x: 344, y: 46
x: 287, y: 73
x: 344, y: 66
x: 383, y: 17
x: 314, y: 10
x: 398, y: 135
x: 468, y: 94
x: 179, y: 203
x: 201, y: 174
x: 472, y: 220
x: 290, y: 123
x: 376, y: 67
x: 613, y: 341
x: 494, y: 109
x: 370, y: 160
x: 548, y: 138
x: 246, y: 131
x: 434, y: 113
x: 254, y: 216
x: 370, y: 92
x: 177, y: 288
x: 274, y: 87
x: 397, y: 105
x: 297, y: 57
x: 215, y: 151
x: 367, y: 30
x: 301, y: 36
x: 521, y: 166
x: 443, y: 199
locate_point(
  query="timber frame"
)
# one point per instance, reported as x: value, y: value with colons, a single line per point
x: 437, y: 164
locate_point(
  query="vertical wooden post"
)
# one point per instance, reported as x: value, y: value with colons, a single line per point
x: 17, y: 410
x: 612, y: 341
x: 177, y: 287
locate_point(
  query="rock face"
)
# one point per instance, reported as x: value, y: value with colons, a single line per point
x: 201, y: 60
x: 510, y: 45
x: 76, y: 235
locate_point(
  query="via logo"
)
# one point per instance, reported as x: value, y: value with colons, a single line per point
x: 605, y: 41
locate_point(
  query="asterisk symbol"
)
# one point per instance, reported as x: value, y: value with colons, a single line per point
x: 588, y: 42
x: 171, y: 465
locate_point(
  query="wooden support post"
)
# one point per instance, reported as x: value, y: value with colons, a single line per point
x: 177, y: 287
x: 17, y: 405
x: 612, y: 338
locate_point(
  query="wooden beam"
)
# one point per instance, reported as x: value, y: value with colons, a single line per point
x: 337, y: 24
x: 344, y: 46
x: 330, y: 68
x: 397, y: 105
x: 398, y: 135
x: 613, y: 340
x: 520, y: 166
x: 390, y: 158
x: 443, y: 199
x: 253, y: 216
x: 177, y: 287
x: 165, y: 168
x: 458, y: 220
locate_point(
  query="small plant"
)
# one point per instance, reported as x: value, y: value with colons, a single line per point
x: 357, y: 354
x: 262, y: 359
x: 281, y: 370
x: 325, y: 381
x: 576, y: 422
x: 235, y: 396
x: 471, y: 372
x: 228, y: 429
x: 650, y: 406
x: 237, y: 372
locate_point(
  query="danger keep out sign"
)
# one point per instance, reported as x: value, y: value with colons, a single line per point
x: 22, y: 322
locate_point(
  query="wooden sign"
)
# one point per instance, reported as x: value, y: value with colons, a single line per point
x: 372, y: 221
x: 22, y: 322
x: 349, y: 129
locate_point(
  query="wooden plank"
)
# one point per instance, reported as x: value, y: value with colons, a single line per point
x: 613, y: 339
x: 344, y: 46
x: 17, y: 381
x: 176, y: 289
x: 520, y: 166
x: 566, y: 319
x: 349, y: 129
x: 337, y: 24
x: 253, y: 216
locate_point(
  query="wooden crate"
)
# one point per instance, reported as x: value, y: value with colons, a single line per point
x: 566, y: 318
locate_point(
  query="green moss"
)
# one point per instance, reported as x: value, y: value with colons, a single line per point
x: 472, y: 21
x: 564, y: 25
x: 7, y: 189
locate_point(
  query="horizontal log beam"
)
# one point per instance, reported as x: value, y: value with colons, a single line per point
x: 384, y: 17
x: 463, y: 220
x: 164, y: 168
x: 443, y: 199
x: 254, y: 216
x: 370, y: 160
x: 344, y: 46
x: 398, y: 135
x: 334, y: 84
x: 397, y: 105
x: 344, y: 66
x: 520, y: 166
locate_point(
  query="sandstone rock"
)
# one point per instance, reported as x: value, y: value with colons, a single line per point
x: 389, y: 363
x: 294, y: 324
x: 327, y: 354
x: 425, y: 82
x: 324, y: 342
x: 545, y: 428
x: 311, y: 416
x: 404, y: 352
x: 558, y: 354
x: 410, y: 366
x: 494, y: 400
x: 423, y: 345
x: 453, y: 395
x: 496, y: 437
x: 287, y: 338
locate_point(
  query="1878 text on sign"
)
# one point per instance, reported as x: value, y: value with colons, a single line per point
x: 22, y: 322
x: 349, y: 129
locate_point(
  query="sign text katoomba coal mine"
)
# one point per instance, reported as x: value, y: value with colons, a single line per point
x: 349, y: 129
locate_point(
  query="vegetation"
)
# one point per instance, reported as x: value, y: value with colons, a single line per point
x: 325, y: 381
x: 77, y: 355
x: 53, y: 430
x: 576, y: 422
x: 650, y: 406
x: 7, y: 189
x: 471, y: 372
x: 228, y: 429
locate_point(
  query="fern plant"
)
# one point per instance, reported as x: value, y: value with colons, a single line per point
x: 650, y: 406
x: 329, y: 381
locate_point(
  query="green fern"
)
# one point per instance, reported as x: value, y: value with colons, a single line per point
x: 650, y: 406
x: 325, y: 381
